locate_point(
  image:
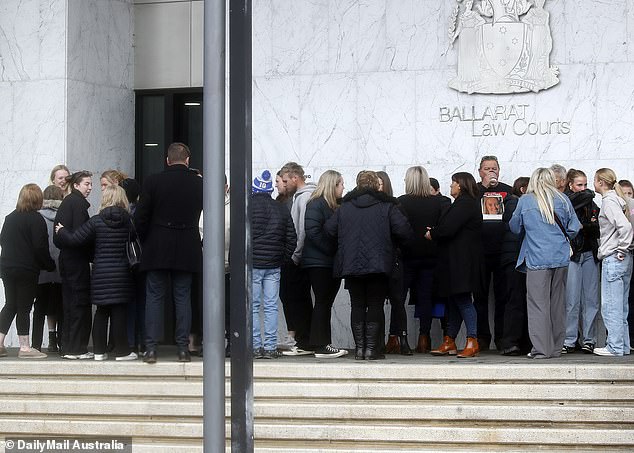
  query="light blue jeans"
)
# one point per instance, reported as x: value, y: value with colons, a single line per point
x: 582, y: 295
x: 615, y: 288
x: 266, y: 288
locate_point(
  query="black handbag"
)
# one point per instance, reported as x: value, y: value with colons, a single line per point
x: 133, y: 248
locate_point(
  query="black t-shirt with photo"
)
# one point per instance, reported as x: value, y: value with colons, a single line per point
x: 493, y: 229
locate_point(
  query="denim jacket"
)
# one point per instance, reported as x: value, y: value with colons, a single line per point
x: 544, y: 245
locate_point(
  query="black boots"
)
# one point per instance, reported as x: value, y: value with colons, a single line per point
x: 52, y: 342
x: 358, y: 332
x: 404, y: 346
x: 373, y: 341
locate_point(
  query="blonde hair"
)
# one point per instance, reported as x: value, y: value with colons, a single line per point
x: 114, y: 196
x: 113, y: 176
x: 55, y: 169
x: 608, y: 176
x: 327, y: 187
x: 542, y: 185
x: 417, y: 182
x: 30, y: 198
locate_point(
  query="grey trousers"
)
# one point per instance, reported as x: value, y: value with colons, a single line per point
x: 546, y: 308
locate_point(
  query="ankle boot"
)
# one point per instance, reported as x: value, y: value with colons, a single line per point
x: 52, y: 342
x: 372, y: 334
x: 392, y: 346
x: 424, y: 344
x: 405, y: 349
x: 358, y: 332
x: 448, y: 347
x: 471, y: 349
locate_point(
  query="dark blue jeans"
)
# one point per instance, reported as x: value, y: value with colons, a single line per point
x: 156, y: 283
x: 460, y: 308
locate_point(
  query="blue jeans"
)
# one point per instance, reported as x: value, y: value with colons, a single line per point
x: 266, y: 288
x: 615, y: 288
x: 582, y: 294
x: 460, y: 308
x: 156, y: 289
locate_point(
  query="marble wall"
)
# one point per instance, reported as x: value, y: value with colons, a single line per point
x: 66, y: 91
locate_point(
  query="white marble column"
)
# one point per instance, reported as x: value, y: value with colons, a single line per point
x: 66, y: 92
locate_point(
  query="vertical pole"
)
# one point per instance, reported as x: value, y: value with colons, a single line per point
x: 214, y: 241
x: 241, y: 292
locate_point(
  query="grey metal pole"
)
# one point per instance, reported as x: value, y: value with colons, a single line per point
x: 214, y: 241
x: 242, y: 434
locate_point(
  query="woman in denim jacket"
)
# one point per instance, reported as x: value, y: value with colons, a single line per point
x: 544, y: 256
x: 615, y: 245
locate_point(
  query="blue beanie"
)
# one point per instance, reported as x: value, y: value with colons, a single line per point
x: 263, y: 184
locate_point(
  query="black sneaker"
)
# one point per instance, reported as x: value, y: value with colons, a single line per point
x: 587, y: 348
x: 568, y: 349
x: 258, y: 353
x: 512, y: 351
x: 271, y: 354
x: 329, y: 352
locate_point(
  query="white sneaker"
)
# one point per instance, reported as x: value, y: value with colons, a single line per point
x: 101, y: 357
x: 297, y: 351
x: 70, y: 357
x: 86, y: 355
x: 131, y: 356
x: 604, y: 352
x: 329, y: 352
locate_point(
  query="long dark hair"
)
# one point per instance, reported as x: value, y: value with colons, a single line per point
x: 387, y: 183
x: 467, y: 183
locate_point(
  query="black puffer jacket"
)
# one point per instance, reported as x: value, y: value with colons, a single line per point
x: 111, y: 281
x: 366, y: 226
x: 319, y: 248
x: 272, y: 232
x: 587, y: 212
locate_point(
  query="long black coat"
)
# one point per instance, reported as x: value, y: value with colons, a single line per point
x: 319, y: 248
x: 366, y: 226
x: 111, y: 281
x: 272, y: 232
x: 167, y: 218
x: 24, y: 241
x: 460, y: 256
x: 73, y: 213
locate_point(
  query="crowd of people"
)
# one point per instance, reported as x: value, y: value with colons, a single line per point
x: 554, y: 258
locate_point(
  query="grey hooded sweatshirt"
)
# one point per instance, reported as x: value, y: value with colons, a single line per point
x: 298, y: 213
x: 616, y: 230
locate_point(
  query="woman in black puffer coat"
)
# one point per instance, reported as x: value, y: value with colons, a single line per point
x: 366, y: 226
x: 112, y: 284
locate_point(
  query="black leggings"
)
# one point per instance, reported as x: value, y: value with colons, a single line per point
x: 117, y: 314
x: 19, y: 293
x: 367, y: 294
x: 325, y: 287
x: 48, y: 302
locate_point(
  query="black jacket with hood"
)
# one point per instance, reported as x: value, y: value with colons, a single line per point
x: 111, y: 281
x: 366, y: 226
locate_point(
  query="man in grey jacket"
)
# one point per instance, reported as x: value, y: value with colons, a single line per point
x: 296, y: 298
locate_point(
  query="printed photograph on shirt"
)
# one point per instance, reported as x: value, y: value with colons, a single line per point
x: 492, y: 206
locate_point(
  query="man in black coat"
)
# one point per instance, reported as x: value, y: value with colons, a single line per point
x: 167, y: 218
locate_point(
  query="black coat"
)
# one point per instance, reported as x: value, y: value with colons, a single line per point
x: 422, y: 212
x: 319, y: 248
x: 273, y: 235
x: 73, y: 213
x: 511, y: 242
x: 493, y: 230
x: 587, y: 212
x: 167, y: 217
x: 111, y: 281
x: 366, y: 226
x: 460, y: 256
x: 24, y: 241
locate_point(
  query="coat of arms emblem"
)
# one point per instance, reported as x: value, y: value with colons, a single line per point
x: 503, y: 46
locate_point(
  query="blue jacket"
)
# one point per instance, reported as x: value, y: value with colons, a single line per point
x: 544, y: 245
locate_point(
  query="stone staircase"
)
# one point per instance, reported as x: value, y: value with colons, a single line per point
x: 306, y: 405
